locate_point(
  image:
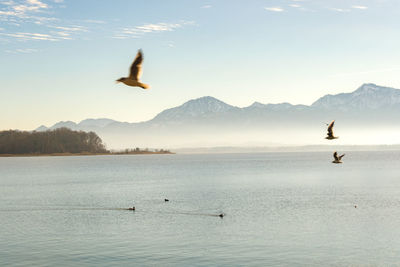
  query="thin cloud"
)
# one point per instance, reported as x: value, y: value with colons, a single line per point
x: 37, y: 3
x: 274, y: 9
x: 94, y: 21
x: 171, y: 44
x: 207, y: 6
x: 29, y: 36
x: 30, y: 5
x: 8, y: 13
x: 24, y: 10
x: 74, y: 28
x: 295, y: 5
x: 138, y: 31
x: 7, y: 3
x: 339, y: 10
x: 24, y: 36
x: 65, y: 34
x: 22, y: 51
x: 360, y: 7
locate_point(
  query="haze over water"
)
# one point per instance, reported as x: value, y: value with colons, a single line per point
x: 281, y: 209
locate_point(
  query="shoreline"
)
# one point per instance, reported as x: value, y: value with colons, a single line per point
x: 83, y: 154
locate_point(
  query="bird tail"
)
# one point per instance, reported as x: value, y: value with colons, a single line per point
x: 144, y: 86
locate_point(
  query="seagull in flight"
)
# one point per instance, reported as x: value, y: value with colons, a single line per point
x: 330, y: 131
x: 337, y: 158
x: 135, y: 73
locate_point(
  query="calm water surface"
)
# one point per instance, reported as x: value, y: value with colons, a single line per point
x: 282, y: 209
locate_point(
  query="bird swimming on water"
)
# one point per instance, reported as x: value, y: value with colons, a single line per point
x: 135, y: 73
x: 330, y: 131
x: 337, y: 158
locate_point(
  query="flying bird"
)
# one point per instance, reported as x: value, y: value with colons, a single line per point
x: 337, y: 158
x: 135, y: 73
x: 330, y: 131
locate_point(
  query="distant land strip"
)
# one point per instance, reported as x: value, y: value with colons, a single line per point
x: 61, y: 142
x: 142, y: 152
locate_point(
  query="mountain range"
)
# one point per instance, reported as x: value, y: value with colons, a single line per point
x: 369, y: 115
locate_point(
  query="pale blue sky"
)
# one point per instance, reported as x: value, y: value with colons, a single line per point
x: 59, y: 59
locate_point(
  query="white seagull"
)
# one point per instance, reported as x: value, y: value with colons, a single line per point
x: 135, y: 73
x: 337, y: 158
x: 330, y: 135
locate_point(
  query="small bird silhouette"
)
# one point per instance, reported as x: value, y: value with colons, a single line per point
x: 337, y: 158
x: 135, y: 73
x: 330, y: 131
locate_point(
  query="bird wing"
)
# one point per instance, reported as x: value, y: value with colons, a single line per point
x: 335, y: 156
x: 340, y: 157
x: 330, y: 128
x: 136, y: 68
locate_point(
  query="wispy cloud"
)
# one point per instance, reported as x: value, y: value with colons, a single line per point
x: 18, y: 13
x: 339, y: 9
x: 171, y: 44
x: 94, y: 21
x: 22, y: 51
x: 360, y: 7
x: 138, y: 31
x: 75, y: 28
x: 21, y: 9
x: 24, y: 11
x: 295, y: 5
x: 274, y: 9
x: 207, y: 6
x: 24, y: 36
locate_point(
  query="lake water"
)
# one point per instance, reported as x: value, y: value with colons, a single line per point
x: 282, y: 209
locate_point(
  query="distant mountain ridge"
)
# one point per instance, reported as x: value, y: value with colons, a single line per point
x: 199, y: 107
x: 85, y: 124
x: 368, y: 96
x: 212, y: 119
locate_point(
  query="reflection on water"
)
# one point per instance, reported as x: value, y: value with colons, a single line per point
x: 280, y: 209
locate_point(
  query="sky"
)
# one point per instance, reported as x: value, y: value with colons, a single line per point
x: 60, y: 58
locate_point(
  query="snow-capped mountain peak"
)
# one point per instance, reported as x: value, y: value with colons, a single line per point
x: 194, y: 108
x: 367, y: 97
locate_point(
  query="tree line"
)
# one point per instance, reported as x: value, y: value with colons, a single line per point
x: 62, y: 140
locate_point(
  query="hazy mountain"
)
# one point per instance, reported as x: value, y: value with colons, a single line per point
x: 196, y: 108
x: 96, y: 122
x: 367, y: 97
x: 361, y: 116
x: 85, y: 124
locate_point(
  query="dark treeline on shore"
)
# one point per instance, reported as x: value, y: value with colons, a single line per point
x: 61, y: 140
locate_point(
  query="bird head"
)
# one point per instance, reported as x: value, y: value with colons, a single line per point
x: 120, y: 80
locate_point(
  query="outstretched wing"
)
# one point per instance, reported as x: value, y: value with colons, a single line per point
x: 330, y: 128
x: 136, y: 68
x: 340, y: 157
x: 335, y: 156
